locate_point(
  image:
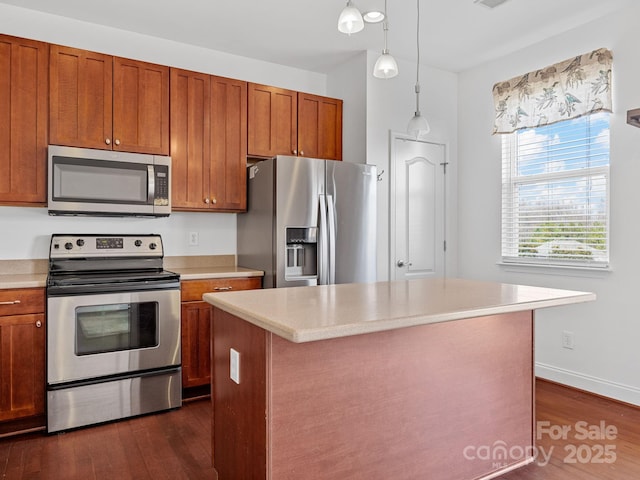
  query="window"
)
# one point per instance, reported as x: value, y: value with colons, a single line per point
x: 555, y: 193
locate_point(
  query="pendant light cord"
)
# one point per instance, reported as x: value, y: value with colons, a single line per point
x: 385, y: 27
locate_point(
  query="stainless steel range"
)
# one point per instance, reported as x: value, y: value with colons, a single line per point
x: 113, y: 330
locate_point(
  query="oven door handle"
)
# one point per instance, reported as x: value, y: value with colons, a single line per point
x: 98, y: 288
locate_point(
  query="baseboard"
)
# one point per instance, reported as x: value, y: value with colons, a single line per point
x: 599, y: 386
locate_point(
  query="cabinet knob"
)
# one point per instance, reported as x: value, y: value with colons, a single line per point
x: 38, y: 324
x: 206, y: 200
x: 214, y: 200
x: 107, y: 141
x: 295, y: 152
x: 117, y: 142
x: 301, y: 153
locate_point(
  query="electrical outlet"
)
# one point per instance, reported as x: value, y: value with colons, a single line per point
x: 193, y: 239
x: 568, y: 340
x: 234, y: 365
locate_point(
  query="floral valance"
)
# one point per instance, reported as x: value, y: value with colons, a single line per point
x: 569, y: 89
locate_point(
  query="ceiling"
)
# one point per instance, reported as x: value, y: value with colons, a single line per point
x: 455, y: 35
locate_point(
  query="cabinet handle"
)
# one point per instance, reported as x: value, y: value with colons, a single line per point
x: 38, y: 324
x: 222, y: 289
x: 206, y: 200
x: 117, y: 142
x: 13, y: 302
x: 107, y: 141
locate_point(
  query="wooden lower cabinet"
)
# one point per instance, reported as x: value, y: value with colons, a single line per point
x: 22, y: 359
x: 196, y: 326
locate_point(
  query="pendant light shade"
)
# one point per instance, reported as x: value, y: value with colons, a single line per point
x: 418, y: 125
x: 386, y: 66
x: 350, y: 20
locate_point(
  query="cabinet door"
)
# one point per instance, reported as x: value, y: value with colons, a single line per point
x: 196, y: 351
x: 22, y: 339
x: 319, y: 127
x: 196, y: 325
x: 140, y: 107
x: 227, y: 176
x: 272, y: 121
x: 23, y: 120
x: 80, y: 98
x: 190, y: 151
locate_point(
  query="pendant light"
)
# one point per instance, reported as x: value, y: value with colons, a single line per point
x: 386, y: 66
x: 418, y: 125
x: 350, y: 20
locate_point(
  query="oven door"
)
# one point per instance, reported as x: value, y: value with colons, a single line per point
x: 98, y: 335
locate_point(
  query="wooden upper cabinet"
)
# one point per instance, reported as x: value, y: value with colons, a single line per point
x: 284, y: 122
x: 228, y: 173
x: 208, y: 142
x: 23, y: 120
x: 140, y: 107
x: 190, y: 151
x: 98, y: 101
x: 80, y: 98
x: 272, y: 121
x: 319, y: 127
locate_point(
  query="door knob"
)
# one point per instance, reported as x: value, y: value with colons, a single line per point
x: 402, y: 263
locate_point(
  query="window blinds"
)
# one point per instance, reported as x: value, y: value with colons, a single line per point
x: 555, y: 196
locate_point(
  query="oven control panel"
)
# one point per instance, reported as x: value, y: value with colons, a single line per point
x: 70, y: 246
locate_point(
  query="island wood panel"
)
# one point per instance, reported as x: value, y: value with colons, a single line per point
x: 239, y: 429
x: 397, y: 404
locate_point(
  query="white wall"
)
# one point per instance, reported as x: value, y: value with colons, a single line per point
x: 606, y: 355
x: 24, y: 232
x: 390, y: 106
x: 349, y: 82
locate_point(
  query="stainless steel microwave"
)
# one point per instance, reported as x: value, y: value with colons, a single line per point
x: 85, y: 181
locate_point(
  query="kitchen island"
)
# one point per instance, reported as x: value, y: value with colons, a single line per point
x: 415, y: 379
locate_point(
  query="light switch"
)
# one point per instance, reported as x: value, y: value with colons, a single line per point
x: 234, y: 365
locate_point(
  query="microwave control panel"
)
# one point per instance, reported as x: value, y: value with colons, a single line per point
x: 161, y: 196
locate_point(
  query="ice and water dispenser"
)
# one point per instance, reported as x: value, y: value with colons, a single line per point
x: 302, y: 253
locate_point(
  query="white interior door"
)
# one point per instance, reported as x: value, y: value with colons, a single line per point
x: 417, y: 206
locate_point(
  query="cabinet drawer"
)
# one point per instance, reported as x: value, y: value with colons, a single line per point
x: 18, y: 301
x: 192, y: 290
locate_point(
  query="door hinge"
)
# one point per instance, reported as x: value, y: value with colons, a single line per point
x: 444, y: 245
x: 444, y: 166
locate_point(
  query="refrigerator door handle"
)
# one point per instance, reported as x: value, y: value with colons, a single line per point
x: 331, y: 209
x: 323, y: 273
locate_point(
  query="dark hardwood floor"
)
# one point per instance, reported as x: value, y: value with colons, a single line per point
x: 176, y: 444
x: 171, y: 445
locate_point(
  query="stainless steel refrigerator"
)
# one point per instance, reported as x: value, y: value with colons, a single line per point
x: 309, y: 222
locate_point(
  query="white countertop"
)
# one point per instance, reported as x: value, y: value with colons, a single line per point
x: 305, y: 314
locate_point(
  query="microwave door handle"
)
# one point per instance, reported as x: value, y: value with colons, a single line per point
x: 151, y: 190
